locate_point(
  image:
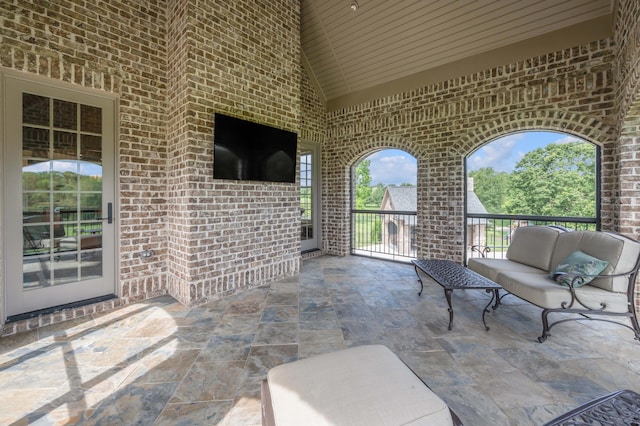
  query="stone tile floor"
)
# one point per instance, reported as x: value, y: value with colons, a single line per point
x: 160, y: 363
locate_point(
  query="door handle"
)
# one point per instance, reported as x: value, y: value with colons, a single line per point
x: 109, y: 217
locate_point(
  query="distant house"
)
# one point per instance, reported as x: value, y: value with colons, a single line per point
x: 476, y: 228
x: 399, y: 230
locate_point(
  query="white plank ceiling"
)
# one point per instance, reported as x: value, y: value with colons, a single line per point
x: 383, y: 41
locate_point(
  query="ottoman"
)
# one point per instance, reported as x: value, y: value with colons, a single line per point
x: 364, y: 385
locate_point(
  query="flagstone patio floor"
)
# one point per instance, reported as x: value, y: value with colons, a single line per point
x: 160, y: 363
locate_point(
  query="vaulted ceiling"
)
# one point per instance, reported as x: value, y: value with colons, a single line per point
x: 387, y: 46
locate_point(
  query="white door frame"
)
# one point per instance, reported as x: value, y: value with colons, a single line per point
x: 12, y: 84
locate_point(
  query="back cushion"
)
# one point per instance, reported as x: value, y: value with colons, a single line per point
x: 621, y: 253
x: 567, y: 243
x: 533, y: 246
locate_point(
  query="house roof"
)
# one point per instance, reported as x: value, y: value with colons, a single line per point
x: 474, y: 205
x: 404, y: 198
x: 387, y: 47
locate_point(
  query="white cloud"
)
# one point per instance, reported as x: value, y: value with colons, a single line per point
x: 498, y: 154
x: 567, y: 139
x: 392, y: 167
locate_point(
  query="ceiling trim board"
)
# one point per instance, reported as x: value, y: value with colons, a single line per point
x: 574, y: 35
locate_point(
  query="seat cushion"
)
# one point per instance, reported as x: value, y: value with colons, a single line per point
x: 540, y: 290
x: 490, y: 268
x: 364, y: 385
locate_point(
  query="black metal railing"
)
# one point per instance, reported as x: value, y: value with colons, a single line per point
x: 489, y: 235
x: 392, y: 234
x: 384, y: 234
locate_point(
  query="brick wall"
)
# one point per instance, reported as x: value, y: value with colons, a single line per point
x: 627, y: 60
x: 627, y: 76
x: 174, y: 64
x: 117, y: 47
x: 242, y: 59
x: 569, y: 90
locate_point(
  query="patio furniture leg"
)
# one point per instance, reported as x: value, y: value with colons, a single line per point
x: 545, y: 326
x: 447, y: 295
x: 495, y: 295
x: 419, y: 279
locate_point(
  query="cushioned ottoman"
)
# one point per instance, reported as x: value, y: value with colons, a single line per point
x: 364, y: 385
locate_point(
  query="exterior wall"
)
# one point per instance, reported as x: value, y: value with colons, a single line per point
x: 628, y: 101
x: 174, y: 64
x: 240, y: 58
x: 627, y: 67
x: 118, y: 47
x: 569, y: 91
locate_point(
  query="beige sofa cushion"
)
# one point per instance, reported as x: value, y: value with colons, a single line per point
x: 490, y: 268
x: 364, y: 385
x: 540, y: 290
x: 533, y: 246
x: 620, y: 251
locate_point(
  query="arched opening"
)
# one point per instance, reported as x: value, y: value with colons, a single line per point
x: 383, y: 205
x: 529, y: 178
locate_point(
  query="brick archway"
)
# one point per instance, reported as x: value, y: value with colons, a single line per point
x: 336, y: 228
x: 586, y: 128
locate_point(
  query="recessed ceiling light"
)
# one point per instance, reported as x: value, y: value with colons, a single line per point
x: 354, y: 6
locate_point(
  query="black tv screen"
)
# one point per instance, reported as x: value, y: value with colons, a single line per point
x: 243, y: 150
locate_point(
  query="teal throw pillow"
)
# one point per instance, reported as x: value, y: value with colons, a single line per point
x: 578, y: 263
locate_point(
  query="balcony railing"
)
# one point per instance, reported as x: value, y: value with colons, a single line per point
x: 391, y: 234
x: 489, y: 235
x: 384, y: 234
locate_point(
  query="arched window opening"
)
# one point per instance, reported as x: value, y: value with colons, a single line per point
x: 529, y: 178
x: 384, y: 200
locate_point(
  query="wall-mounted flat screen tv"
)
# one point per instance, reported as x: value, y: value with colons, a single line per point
x: 243, y: 150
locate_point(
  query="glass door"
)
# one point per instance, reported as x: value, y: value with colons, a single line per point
x: 59, y: 191
x: 309, y: 197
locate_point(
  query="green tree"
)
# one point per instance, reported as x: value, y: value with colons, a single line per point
x: 491, y: 188
x: 363, y: 183
x: 377, y: 194
x: 557, y: 180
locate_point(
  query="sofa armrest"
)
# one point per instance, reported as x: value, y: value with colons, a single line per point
x: 576, y: 277
x: 483, y: 250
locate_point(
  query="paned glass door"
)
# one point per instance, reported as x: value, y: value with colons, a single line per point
x: 309, y: 197
x: 59, y: 171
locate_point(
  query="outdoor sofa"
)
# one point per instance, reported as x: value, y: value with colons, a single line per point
x: 591, y: 274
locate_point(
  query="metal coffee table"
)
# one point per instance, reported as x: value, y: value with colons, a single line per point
x: 619, y: 408
x: 452, y: 276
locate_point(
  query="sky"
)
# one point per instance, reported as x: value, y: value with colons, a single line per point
x: 392, y: 167
x: 395, y: 167
x: 504, y: 153
x: 86, y: 168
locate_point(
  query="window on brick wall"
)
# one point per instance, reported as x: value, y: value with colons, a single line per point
x: 529, y: 178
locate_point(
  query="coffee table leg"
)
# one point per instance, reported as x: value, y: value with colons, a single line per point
x: 447, y: 295
x: 420, y: 280
x: 494, y: 296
